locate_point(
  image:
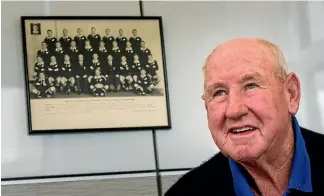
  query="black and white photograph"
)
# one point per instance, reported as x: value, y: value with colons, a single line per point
x: 35, y: 29
x: 79, y: 60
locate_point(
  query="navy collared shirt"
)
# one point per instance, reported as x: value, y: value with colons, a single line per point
x: 300, y: 177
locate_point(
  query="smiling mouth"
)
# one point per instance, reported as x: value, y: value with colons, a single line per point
x: 241, y: 130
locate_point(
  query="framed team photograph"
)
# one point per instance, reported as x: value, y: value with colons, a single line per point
x: 95, y: 73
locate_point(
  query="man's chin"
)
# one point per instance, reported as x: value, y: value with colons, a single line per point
x: 243, y: 156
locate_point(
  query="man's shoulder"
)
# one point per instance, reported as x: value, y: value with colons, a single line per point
x: 210, y: 178
x: 315, y: 144
x: 313, y: 140
x: 309, y: 134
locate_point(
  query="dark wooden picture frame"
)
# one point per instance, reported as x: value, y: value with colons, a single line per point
x: 89, y: 74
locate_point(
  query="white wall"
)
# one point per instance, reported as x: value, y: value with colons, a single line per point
x: 191, y: 31
x: 24, y: 155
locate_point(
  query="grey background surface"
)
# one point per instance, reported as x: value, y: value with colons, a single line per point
x: 135, y: 186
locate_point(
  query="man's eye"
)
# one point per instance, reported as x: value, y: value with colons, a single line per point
x: 251, y: 85
x: 220, y: 93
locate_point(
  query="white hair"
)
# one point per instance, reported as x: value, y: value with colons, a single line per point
x: 275, y: 50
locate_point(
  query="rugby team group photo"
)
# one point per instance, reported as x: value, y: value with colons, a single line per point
x: 93, y: 63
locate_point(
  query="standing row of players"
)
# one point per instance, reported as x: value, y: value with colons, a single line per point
x: 94, y: 40
x: 95, y: 78
x: 88, y: 52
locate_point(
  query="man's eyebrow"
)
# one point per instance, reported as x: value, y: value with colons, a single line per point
x: 215, y: 85
x: 247, y: 77
x: 253, y: 76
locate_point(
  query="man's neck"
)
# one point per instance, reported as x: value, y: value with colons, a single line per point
x: 271, y: 172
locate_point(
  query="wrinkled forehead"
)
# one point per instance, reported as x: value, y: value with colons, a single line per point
x: 244, y: 53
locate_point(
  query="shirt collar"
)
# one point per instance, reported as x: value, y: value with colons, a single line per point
x: 300, y: 177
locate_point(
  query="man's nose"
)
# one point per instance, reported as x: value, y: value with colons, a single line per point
x: 235, y: 107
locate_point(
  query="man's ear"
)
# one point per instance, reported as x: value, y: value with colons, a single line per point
x: 292, y: 87
x: 203, y: 97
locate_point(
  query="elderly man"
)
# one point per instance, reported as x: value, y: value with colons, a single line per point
x: 251, y: 102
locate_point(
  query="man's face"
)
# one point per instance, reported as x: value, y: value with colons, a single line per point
x: 79, y: 31
x: 102, y: 44
x: 49, y: 33
x: 80, y: 57
x: 107, y: 31
x: 65, y: 32
x: 95, y: 56
x: 44, y: 45
x: 150, y: 57
x: 110, y: 58
x: 128, y: 44
x: 143, y: 44
x: 97, y: 72
x: 53, y: 59
x: 73, y: 44
x: 57, y: 44
x: 242, y: 91
x: 87, y: 43
x: 66, y: 58
x: 35, y: 27
x: 42, y: 76
x: 121, y: 32
x: 93, y: 30
x: 114, y: 44
x: 123, y: 58
x: 134, y: 32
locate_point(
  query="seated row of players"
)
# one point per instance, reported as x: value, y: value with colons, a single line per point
x: 94, y: 38
x: 96, y: 79
x: 88, y: 52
